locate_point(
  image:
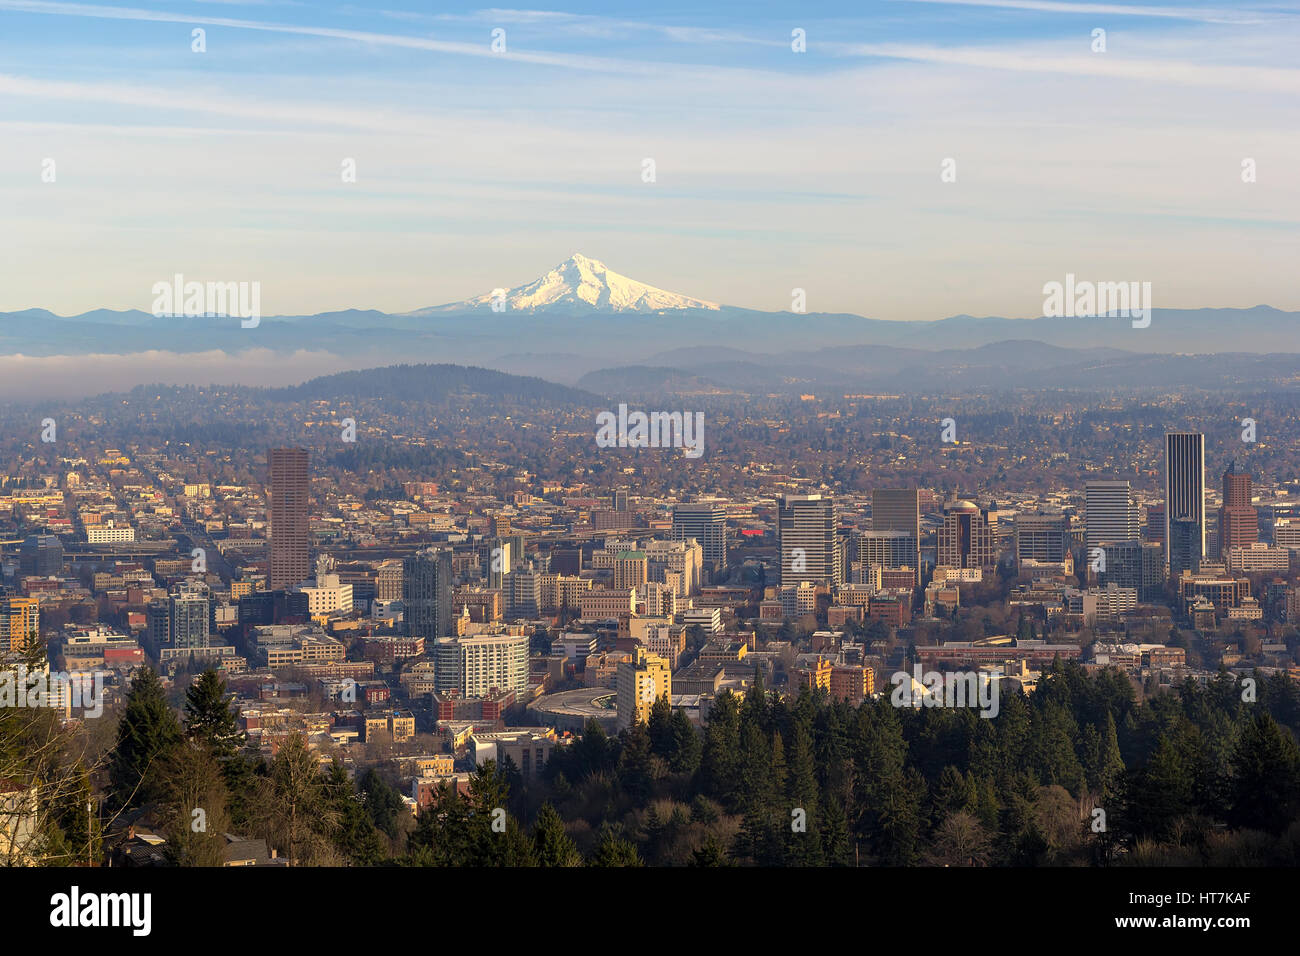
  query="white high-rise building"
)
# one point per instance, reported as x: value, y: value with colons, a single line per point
x: 1110, y: 513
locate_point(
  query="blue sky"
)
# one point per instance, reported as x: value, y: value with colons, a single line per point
x: 774, y: 169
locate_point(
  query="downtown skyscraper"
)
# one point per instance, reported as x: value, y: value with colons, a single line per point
x: 899, y: 510
x: 809, y: 548
x: 1238, y: 519
x: 1110, y: 512
x: 287, y: 516
x: 426, y: 594
x: 706, y: 522
x: 1184, y: 501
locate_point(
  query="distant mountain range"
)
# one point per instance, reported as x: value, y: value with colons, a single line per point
x: 577, y: 284
x: 582, y: 319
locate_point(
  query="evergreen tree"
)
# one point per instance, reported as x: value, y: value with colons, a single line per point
x: 886, y: 793
x: 636, y: 771
x: 1265, y: 789
x: 147, y: 731
x: 710, y: 853
x: 659, y: 727
x: 382, y: 803
x: 803, y: 848
x: 612, y: 850
x: 193, y: 813
x: 837, y: 849
x: 293, y: 814
x: 355, y: 836
x: 720, y: 760
x: 209, y: 717
x: 685, y: 754
x: 551, y: 845
x: 1158, y: 794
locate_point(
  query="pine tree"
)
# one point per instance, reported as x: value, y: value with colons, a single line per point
x: 719, y: 774
x: 552, y: 846
x: 194, y: 813
x: 803, y: 848
x: 489, y: 843
x: 709, y: 853
x: 886, y: 793
x: 147, y: 731
x: 611, y: 850
x: 1159, y: 794
x: 209, y: 717
x: 636, y: 764
x: 659, y: 727
x: 355, y: 836
x: 382, y: 802
x: 293, y: 813
x: 1265, y: 788
x: 686, y: 746
x: 1110, y: 766
x: 837, y: 849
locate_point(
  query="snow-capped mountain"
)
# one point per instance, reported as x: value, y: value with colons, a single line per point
x: 582, y: 284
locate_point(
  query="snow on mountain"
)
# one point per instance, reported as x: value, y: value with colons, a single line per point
x: 583, y: 284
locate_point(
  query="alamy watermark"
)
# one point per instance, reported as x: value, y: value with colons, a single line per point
x: 23, y: 687
x: 208, y: 300
x: 653, y: 430
x: 953, y: 689
x: 1090, y: 300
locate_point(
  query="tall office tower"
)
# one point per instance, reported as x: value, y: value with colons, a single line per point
x: 499, y: 525
x: 806, y: 536
x: 967, y: 537
x: 1110, y: 513
x: 1238, y: 519
x: 1184, y: 501
x: 640, y: 682
x: 41, y: 555
x: 1044, y: 538
x: 20, y: 622
x: 620, y: 499
x: 899, y: 509
x: 500, y: 562
x: 426, y: 594
x: 706, y: 522
x: 287, y: 515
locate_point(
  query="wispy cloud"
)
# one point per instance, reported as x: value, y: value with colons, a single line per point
x: 573, y: 61
x: 1200, y: 14
x: 1017, y: 59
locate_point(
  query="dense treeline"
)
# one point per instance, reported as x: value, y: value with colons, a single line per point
x: 1076, y: 773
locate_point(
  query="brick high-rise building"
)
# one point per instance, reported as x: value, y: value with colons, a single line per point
x: 287, y: 514
x: 1238, y: 519
x: 967, y: 537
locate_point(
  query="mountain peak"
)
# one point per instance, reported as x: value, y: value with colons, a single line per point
x: 581, y: 283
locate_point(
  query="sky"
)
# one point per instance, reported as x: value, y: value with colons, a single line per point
x: 773, y: 169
